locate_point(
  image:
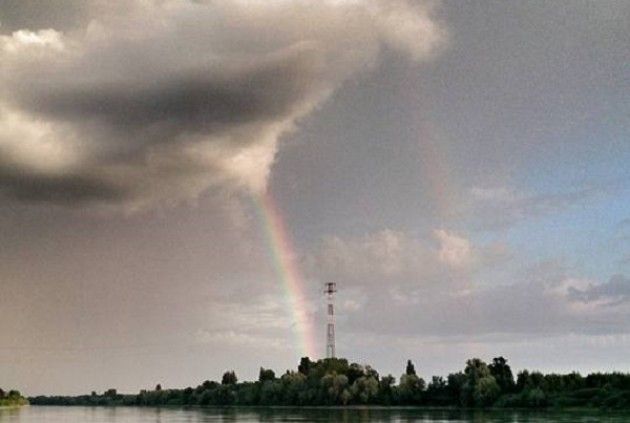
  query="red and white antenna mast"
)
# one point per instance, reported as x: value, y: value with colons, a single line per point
x: 330, y: 289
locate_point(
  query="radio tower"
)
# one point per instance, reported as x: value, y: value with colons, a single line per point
x: 330, y: 289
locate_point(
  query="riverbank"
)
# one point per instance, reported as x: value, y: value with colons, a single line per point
x: 12, y: 404
x: 336, y: 382
x: 375, y: 408
x: 12, y: 398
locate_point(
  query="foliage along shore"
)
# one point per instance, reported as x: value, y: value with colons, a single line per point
x: 335, y: 382
x: 11, y: 398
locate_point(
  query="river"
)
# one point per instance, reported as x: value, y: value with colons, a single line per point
x: 258, y: 415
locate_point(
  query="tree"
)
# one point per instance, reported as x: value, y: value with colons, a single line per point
x: 371, y: 372
x: 385, y: 389
x: 526, y: 381
x: 295, y: 388
x: 229, y: 378
x: 437, y: 391
x: 354, y: 372
x: 266, y: 374
x: 486, y: 392
x: 224, y: 394
x: 158, y: 387
x: 208, y: 384
x: 454, y: 386
x: 522, y: 380
x: 305, y: 365
x: 335, y: 385
x: 364, y: 389
x: 410, y: 370
x: 502, y: 374
x: 480, y: 388
x: 410, y: 389
x: 187, y: 396
x: 535, y: 398
x: 271, y: 392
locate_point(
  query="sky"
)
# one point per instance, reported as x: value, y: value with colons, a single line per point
x: 178, y: 179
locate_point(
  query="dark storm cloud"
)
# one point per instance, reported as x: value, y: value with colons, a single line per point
x: 152, y: 101
x: 61, y: 189
x: 197, y: 102
x: 41, y: 14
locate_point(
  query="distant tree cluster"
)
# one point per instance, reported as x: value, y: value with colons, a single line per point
x: 11, y: 398
x: 338, y: 382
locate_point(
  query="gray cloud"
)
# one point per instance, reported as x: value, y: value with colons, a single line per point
x: 199, y: 101
x: 613, y: 292
x: 450, y: 286
x: 158, y: 101
x: 61, y: 189
x: 60, y: 14
x: 495, y: 208
x: 441, y: 261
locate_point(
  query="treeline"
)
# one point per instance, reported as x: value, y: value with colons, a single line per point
x: 11, y: 398
x: 330, y: 382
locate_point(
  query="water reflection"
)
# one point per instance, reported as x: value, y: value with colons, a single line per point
x: 267, y: 415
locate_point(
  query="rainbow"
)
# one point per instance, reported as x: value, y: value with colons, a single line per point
x: 284, y: 262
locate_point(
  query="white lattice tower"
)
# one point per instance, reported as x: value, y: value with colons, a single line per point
x: 330, y: 289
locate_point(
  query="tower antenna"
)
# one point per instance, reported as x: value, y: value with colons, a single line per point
x: 329, y: 289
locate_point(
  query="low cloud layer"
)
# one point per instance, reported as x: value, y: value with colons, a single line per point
x: 503, y: 207
x: 160, y: 100
x: 614, y: 292
x: 397, y: 259
x: 446, y: 285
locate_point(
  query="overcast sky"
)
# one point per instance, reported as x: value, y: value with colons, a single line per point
x: 460, y: 169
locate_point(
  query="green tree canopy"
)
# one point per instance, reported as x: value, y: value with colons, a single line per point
x: 305, y: 365
x: 411, y: 369
x: 502, y: 374
x: 266, y: 374
x: 480, y: 388
x: 229, y: 378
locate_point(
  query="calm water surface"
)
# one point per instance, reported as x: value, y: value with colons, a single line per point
x: 163, y: 415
